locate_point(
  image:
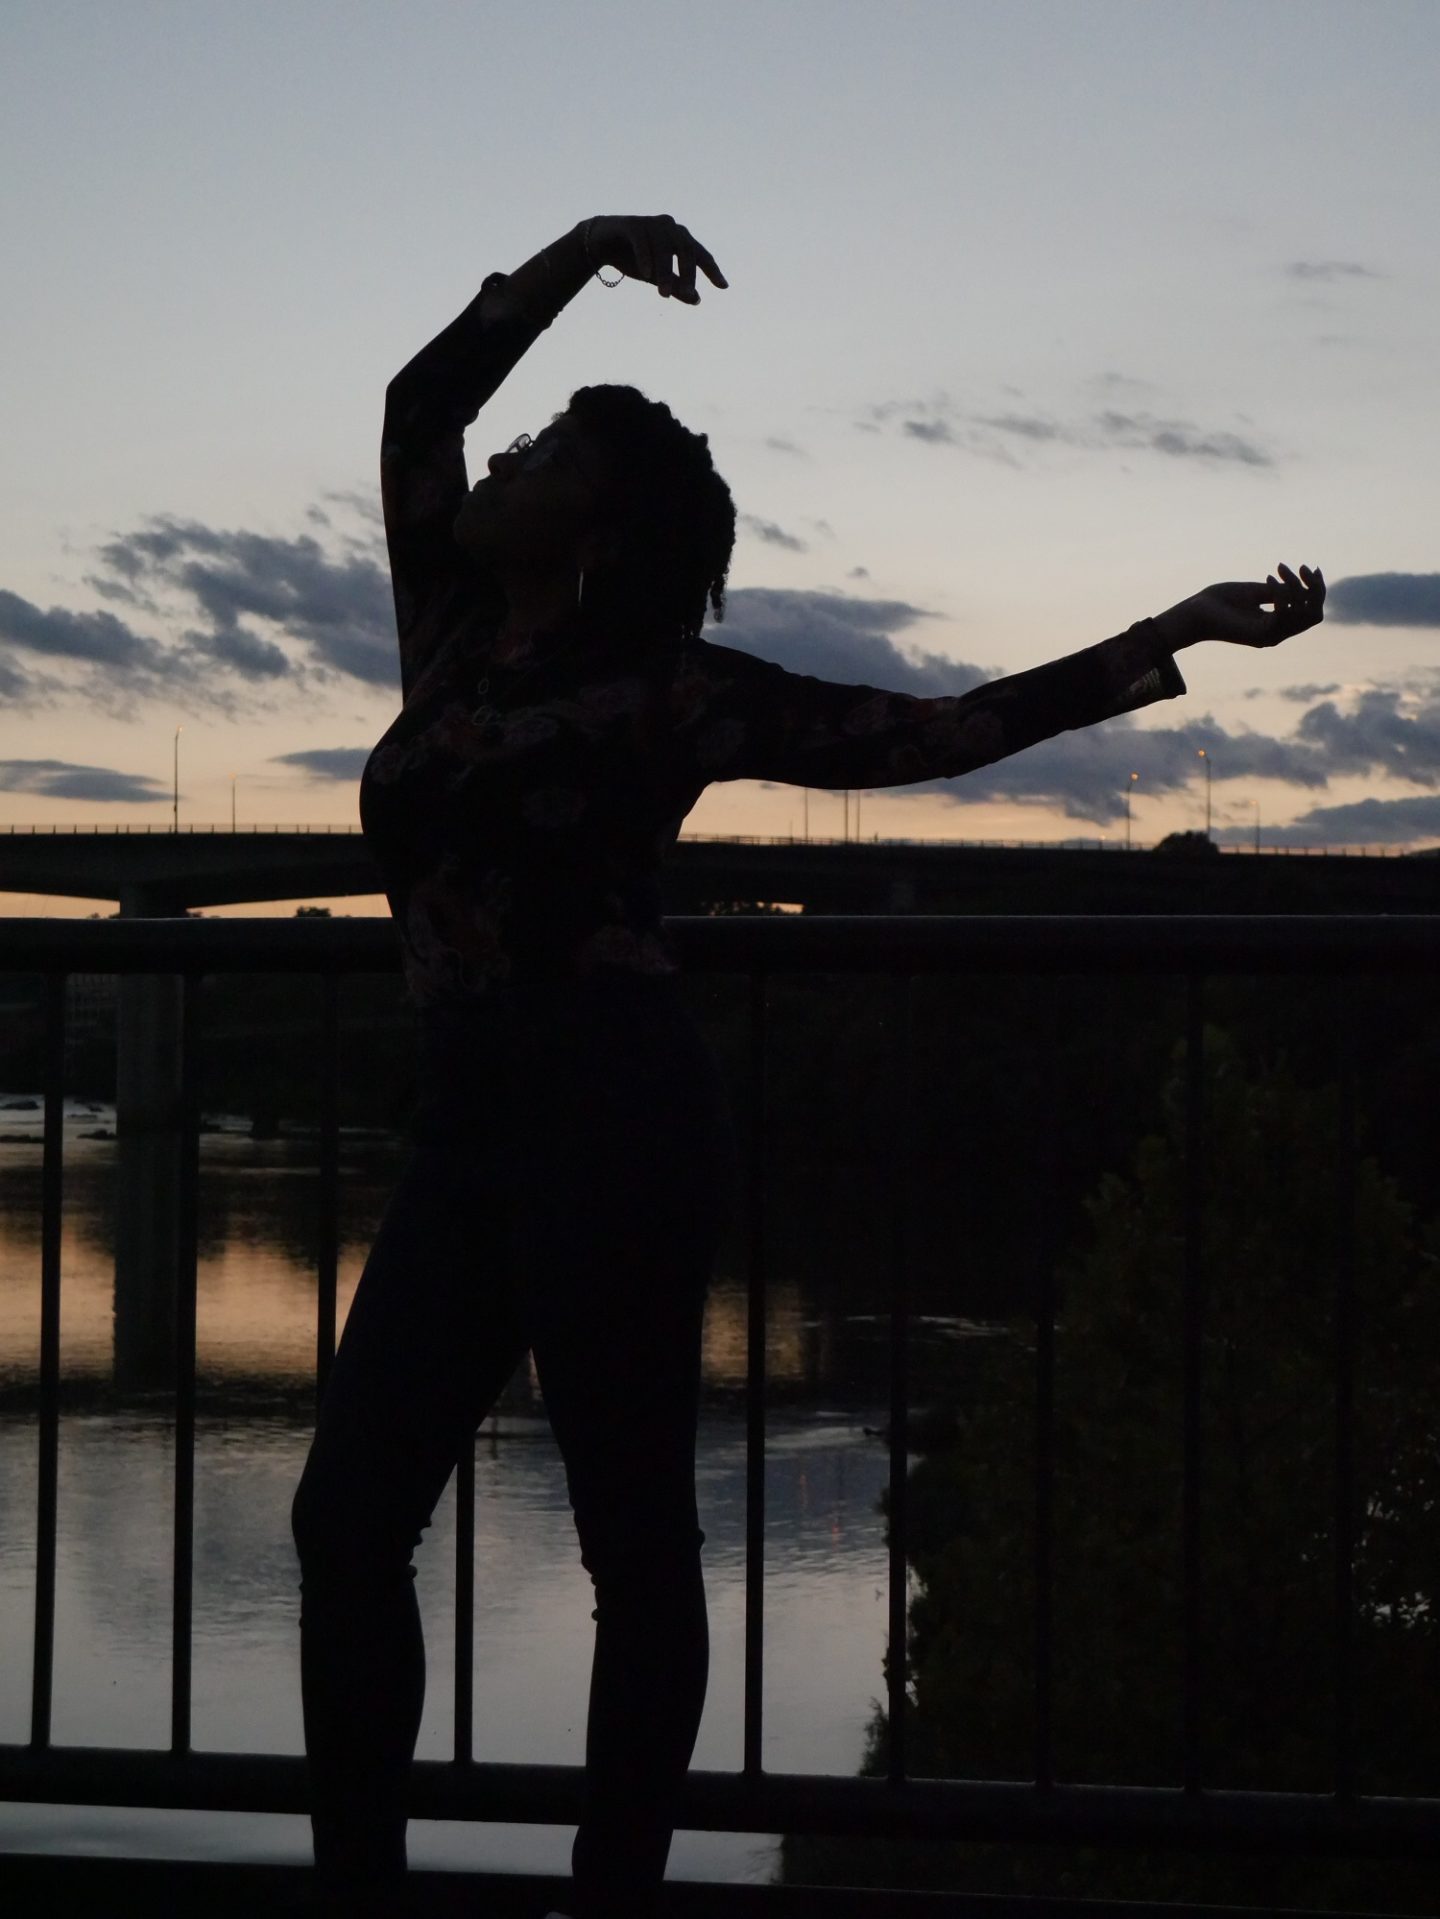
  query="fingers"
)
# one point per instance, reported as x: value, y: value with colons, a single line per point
x: 1298, y: 599
x: 689, y: 252
x: 663, y: 236
x: 659, y: 242
x: 707, y: 261
x: 683, y: 287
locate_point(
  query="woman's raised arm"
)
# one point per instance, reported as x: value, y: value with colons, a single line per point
x: 437, y: 395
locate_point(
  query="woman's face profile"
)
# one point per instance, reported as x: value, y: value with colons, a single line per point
x: 536, y: 502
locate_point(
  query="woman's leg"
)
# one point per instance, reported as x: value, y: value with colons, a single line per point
x: 626, y: 1429
x: 430, y: 1341
x: 614, y: 1271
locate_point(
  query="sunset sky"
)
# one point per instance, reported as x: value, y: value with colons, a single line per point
x: 1041, y: 317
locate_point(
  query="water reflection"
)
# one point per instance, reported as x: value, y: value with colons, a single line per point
x: 826, y: 1562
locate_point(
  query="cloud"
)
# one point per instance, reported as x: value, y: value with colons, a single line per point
x: 1368, y: 822
x: 1386, y: 732
x: 858, y: 573
x: 334, y: 609
x: 1086, y: 773
x: 773, y: 535
x: 1331, y: 270
x: 64, y: 780
x: 1028, y: 426
x: 90, y: 637
x: 339, y: 763
x: 834, y: 636
x: 1111, y: 382
x: 1385, y: 599
x: 1179, y: 438
x: 213, y: 619
x: 242, y: 652
x: 1302, y: 694
x: 935, y: 432
x: 785, y: 446
x: 995, y: 435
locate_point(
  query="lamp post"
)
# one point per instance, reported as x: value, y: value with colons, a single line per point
x: 1129, y: 789
x: 233, y: 778
x: 1256, y: 805
x: 1206, y: 757
x: 806, y: 813
x: 175, y: 818
x: 858, y: 798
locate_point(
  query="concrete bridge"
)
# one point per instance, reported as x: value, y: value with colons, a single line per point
x: 163, y: 873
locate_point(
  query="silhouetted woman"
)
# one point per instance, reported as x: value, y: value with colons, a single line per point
x: 573, y: 1161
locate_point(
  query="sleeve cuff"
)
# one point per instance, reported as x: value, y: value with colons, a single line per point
x: 1140, y: 668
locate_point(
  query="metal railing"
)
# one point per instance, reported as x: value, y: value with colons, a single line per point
x: 1190, y: 1816
x: 1241, y: 844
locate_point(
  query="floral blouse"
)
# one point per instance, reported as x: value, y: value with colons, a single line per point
x: 520, y: 806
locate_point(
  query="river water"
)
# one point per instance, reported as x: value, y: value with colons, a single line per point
x: 826, y: 1568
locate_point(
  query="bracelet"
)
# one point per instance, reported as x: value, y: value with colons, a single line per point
x: 598, y: 274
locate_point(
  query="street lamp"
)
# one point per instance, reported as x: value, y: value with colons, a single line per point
x: 1206, y: 757
x: 175, y: 828
x: 1256, y: 805
x: 1130, y: 788
x: 233, y: 778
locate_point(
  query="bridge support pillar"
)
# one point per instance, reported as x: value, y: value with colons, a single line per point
x: 148, y: 1115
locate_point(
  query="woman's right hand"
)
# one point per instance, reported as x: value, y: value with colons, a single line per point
x: 645, y: 246
x: 1231, y: 611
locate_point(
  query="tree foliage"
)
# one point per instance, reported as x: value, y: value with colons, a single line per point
x: 1274, y: 1207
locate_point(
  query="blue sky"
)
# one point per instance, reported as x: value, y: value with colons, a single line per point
x: 1041, y: 317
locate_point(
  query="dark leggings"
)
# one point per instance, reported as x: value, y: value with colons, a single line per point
x: 571, y: 1173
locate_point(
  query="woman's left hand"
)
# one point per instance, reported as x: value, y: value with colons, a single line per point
x: 1232, y: 610
x: 643, y: 245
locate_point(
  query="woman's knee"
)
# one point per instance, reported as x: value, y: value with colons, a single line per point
x: 630, y: 1557
x: 328, y: 1525
x: 351, y: 1529
x: 310, y: 1527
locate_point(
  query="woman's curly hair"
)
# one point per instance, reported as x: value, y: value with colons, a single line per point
x: 671, y: 511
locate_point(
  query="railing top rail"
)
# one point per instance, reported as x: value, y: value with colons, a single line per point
x: 782, y: 943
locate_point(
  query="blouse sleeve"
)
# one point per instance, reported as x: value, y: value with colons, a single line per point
x: 423, y: 480
x: 738, y: 717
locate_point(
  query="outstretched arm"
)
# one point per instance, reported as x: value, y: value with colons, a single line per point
x: 433, y: 399
x: 735, y: 717
x: 738, y: 717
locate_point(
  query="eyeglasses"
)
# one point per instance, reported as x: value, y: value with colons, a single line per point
x: 539, y: 452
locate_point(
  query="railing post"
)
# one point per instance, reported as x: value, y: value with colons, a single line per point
x: 42, y: 1670
x: 1047, y: 1252
x: 1347, y: 1333
x: 755, y: 1390
x: 147, y: 1132
x: 901, y: 1147
x: 1194, y: 1321
x: 187, y: 1236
